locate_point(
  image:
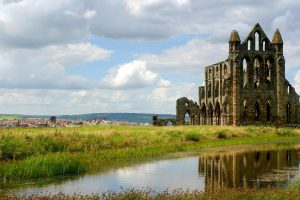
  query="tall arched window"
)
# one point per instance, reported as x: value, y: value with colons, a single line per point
x: 225, y: 69
x: 268, y: 70
x: 256, y: 111
x: 210, y: 114
x: 245, y: 110
x: 256, y: 73
x: 217, y: 89
x: 224, y: 113
x: 187, y: 119
x: 203, y: 114
x: 268, y: 112
x: 208, y: 90
x: 245, y: 72
x: 218, y: 113
x: 288, y: 113
x: 264, y: 45
x: 249, y: 45
x: 256, y: 36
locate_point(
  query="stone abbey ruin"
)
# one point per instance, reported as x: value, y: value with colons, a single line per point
x: 249, y: 87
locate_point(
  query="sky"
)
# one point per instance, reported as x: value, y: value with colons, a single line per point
x: 92, y: 56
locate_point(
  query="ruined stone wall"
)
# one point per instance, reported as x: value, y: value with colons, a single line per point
x: 249, y: 87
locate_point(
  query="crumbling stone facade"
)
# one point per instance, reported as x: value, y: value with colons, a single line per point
x: 156, y: 121
x: 249, y: 87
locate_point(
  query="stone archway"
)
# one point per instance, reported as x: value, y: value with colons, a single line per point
x: 217, y: 114
x: 182, y: 107
x: 256, y: 111
x: 203, y: 114
x: 224, y: 113
x: 268, y: 109
x: 185, y: 106
x: 288, y: 113
x: 210, y: 114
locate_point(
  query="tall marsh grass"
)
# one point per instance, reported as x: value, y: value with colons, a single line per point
x: 31, y: 153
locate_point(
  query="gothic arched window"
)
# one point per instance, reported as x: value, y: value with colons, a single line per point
x: 245, y: 72
x: 256, y: 36
x: 217, y: 89
x: 256, y: 73
x: 268, y: 112
x: 225, y: 69
x: 264, y: 45
x: 208, y: 90
x: 256, y: 111
x: 249, y: 45
x: 268, y: 73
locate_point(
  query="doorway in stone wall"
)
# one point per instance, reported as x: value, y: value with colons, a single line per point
x: 187, y: 119
x: 218, y: 114
x: 268, y: 112
x: 288, y: 113
x: 256, y: 111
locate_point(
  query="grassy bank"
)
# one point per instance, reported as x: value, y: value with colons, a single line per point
x: 44, y: 153
x: 226, y: 194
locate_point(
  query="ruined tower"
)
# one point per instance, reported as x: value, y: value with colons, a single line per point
x: 249, y: 87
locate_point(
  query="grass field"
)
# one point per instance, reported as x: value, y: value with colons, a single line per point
x: 10, y: 117
x: 223, y: 194
x: 33, y: 153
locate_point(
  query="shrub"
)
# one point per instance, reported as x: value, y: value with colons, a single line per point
x: 195, y: 137
x: 285, y: 132
x: 222, y: 134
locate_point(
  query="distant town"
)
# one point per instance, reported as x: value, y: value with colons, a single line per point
x: 53, y: 122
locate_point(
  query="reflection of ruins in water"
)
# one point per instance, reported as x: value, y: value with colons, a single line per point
x: 250, y: 169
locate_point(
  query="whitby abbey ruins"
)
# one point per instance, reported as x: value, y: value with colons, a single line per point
x: 249, y: 87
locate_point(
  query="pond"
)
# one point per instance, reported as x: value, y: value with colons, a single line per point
x: 224, y: 167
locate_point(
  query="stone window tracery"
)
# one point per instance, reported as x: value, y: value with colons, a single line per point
x: 245, y: 73
x: 256, y: 73
x: 268, y: 73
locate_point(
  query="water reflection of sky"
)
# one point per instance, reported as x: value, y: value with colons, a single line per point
x: 169, y: 174
x: 276, y: 168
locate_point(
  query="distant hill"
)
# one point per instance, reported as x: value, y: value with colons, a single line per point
x: 9, y: 117
x: 130, y: 117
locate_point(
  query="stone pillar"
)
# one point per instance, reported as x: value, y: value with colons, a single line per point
x: 236, y: 92
x: 281, y: 93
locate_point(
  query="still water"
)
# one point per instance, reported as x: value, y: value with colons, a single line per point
x: 206, y: 170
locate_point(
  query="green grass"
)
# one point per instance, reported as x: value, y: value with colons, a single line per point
x: 132, y: 194
x: 10, y: 117
x: 33, y: 153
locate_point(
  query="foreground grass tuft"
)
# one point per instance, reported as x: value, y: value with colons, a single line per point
x: 132, y: 194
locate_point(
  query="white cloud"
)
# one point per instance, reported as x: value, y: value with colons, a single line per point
x: 137, y: 7
x: 45, y: 67
x: 34, y: 23
x: 164, y: 83
x: 130, y: 75
x: 89, y: 14
x: 190, y: 58
x: 74, y: 53
x: 63, y: 21
x: 163, y: 99
x: 38, y: 41
x: 45, y: 101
